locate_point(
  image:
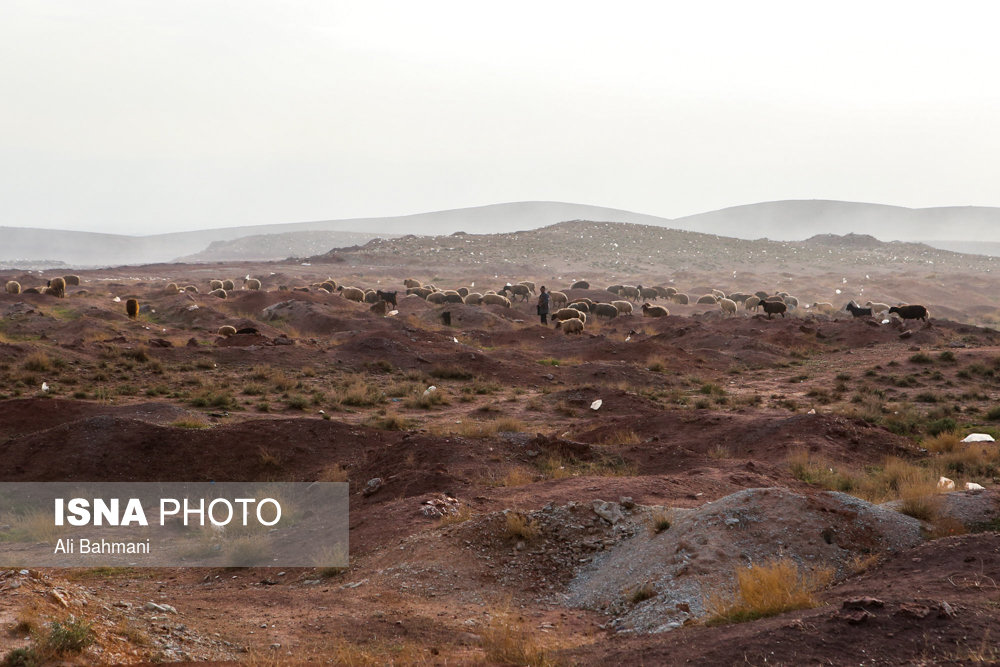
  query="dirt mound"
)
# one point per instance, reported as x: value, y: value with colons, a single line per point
x: 28, y: 415
x: 904, y: 611
x: 697, y: 555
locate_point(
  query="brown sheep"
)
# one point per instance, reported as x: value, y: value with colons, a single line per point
x: 132, y: 308
x: 572, y: 326
x: 12, y: 287
x: 352, y: 294
x: 654, y: 311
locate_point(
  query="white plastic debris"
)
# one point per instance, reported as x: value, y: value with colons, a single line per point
x: 811, y: 412
x: 972, y: 486
x: 117, y: 299
x: 886, y: 321
x: 392, y: 313
x: 454, y: 339
x: 596, y: 405
x: 45, y: 386
x: 978, y: 437
x: 837, y: 291
x: 430, y: 390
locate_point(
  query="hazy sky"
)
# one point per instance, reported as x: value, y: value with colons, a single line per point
x: 135, y: 116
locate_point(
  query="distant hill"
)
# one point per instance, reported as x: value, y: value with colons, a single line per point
x: 973, y: 247
x: 92, y: 249
x: 795, y: 220
x: 589, y: 248
x: 782, y: 220
x: 264, y: 247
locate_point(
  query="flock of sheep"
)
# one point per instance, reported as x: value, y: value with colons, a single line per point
x: 569, y: 316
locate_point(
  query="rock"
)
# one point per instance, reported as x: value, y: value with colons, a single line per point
x: 906, y: 334
x: 914, y: 610
x: 373, y: 485
x: 610, y: 512
x: 862, y: 602
x: 855, y: 616
x: 978, y: 437
x: 626, y: 502
x: 192, y: 342
x: 972, y: 486
x: 946, y: 484
x: 160, y: 342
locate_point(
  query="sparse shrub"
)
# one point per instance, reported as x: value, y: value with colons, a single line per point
x: 518, y: 526
x: 190, y: 424
x: 38, y: 361
x: 268, y: 458
x: 549, y: 362
x: 333, y: 473
x: 621, y: 437
x: 947, y: 356
x: 921, y: 358
x: 359, y: 393
x: 942, y: 425
x: 993, y: 414
x: 508, y: 642
x: 388, y: 422
x: 659, y: 522
x: 450, y: 373
x: 296, y: 402
x: 768, y: 589
x: 140, y: 354
x: 920, y: 500
x: 942, y: 442
x: 642, y: 593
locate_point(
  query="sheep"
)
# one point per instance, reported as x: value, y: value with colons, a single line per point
x: 790, y: 301
x: 877, y: 307
x: 630, y: 292
x: 253, y: 284
x: 214, y: 285
x: 558, y: 298
x: 33, y: 290
x: 463, y: 292
x: 662, y: 291
x: 648, y: 293
x: 72, y: 280
x: 728, y: 306
x: 171, y: 288
x: 220, y: 293
x: 589, y: 302
x: 530, y: 285
x: 422, y: 292
x: 228, y: 285
x: 371, y: 296
x: 352, y: 293
x: 388, y: 297
x: 604, y: 310
x: 823, y: 307
x: 654, y: 311
x: 761, y: 295
x: 227, y: 330
x: 914, y: 312
x: 580, y: 305
x: 615, y: 289
x: 451, y: 296
x: 752, y: 302
x: 191, y: 289
x: 300, y: 289
x: 57, y: 288
x: 580, y: 284
x: 435, y: 297
x: 624, y: 307
x: 738, y: 297
x: 573, y: 326
x: 329, y: 285
x: 681, y: 298
x: 411, y: 282
x: 379, y: 307
x: 670, y: 290
x: 474, y: 298
x: 857, y: 311
x: 771, y: 307
x: 494, y: 300
x: 517, y: 290
x: 132, y: 308
x: 568, y: 314
x: 12, y: 287
x: 718, y: 294
x: 708, y: 299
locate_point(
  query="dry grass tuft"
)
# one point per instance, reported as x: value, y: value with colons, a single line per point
x: 507, y: 641
x: 333, y: 473
x: 942, y: 443
x: 768, y: 589
x: 518, y: 526
x: 620, y: 438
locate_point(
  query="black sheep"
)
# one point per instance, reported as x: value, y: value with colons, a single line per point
x: 857, y: 310
x: 388, y: 297
x: 771, y: 307
x: 910, y: 312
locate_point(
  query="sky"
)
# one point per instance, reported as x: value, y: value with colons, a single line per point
x: 138, y: 116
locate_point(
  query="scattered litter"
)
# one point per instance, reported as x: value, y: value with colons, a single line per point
x: 596, y: 405
x: 430, y: 390
x: 811, y: 412
x: 978, y: 437
x: 454, y: 339
x: 117, y: 299
x: 45, y: 386
x: 972, y: 486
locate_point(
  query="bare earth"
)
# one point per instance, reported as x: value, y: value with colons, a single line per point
x: 802, y: 418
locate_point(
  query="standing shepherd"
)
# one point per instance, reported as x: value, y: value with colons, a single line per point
x: 543, y: 305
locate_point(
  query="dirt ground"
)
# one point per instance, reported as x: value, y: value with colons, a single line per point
x: 791, y: 431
